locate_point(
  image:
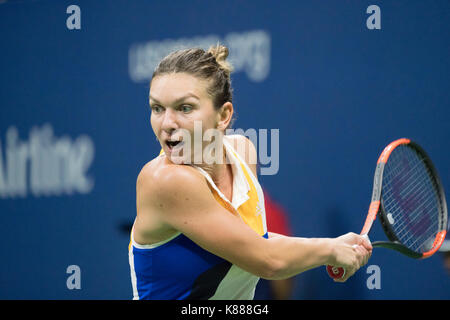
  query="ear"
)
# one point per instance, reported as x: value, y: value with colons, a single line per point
x: 224, y: 115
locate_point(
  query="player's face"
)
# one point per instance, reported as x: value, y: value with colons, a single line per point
x: 181, y: 112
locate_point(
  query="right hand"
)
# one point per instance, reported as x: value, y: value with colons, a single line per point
x: 350, y: 251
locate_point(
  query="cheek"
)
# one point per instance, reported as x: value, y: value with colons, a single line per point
x: 196, y: 122
x: 209, y: 120
x: 154, y: 124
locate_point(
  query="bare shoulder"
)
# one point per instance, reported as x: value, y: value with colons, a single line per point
x: 158, y: 176
x: 161, y: 190
x: 245, y: 148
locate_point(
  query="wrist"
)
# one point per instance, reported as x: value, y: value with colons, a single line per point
x: 329, y: 255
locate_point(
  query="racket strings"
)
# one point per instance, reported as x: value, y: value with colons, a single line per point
x: 414, y: 239
x: 413, y: 186
x: 415, y: 213
x: 423, y: 241
x: 420, y: 236
x: 410, y: 199
x: 393, y: 172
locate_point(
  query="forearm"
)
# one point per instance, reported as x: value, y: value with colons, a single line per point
x: 295, y: 255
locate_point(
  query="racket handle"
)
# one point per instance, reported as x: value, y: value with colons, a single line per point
x: 339, y: 272
x: 336, y: 272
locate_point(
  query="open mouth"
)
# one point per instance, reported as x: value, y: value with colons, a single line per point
x: 172, y: 144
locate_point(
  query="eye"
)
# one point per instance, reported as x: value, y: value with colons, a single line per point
x: 186, y: 108
x: 156, y: 109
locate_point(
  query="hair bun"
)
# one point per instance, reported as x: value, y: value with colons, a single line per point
x: 220, y: 53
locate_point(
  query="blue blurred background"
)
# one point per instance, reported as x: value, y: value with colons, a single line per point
x: 75, y: 131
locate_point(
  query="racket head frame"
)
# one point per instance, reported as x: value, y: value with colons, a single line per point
x: 377, y: 204
x: 377, y: 208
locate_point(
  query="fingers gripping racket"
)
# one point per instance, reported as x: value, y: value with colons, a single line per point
x: 409, y: 200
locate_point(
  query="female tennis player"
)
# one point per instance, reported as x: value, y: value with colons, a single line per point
x: 200, y: 230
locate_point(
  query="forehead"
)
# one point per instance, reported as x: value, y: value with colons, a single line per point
x: 172, y: 86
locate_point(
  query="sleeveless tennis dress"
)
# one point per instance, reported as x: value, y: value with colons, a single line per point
x: 177, y: 268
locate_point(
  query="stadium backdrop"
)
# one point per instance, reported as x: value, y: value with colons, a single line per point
x: 74, y: 126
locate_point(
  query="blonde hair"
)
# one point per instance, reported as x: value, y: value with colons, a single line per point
x: 220, y: 53
x: 210, y: 65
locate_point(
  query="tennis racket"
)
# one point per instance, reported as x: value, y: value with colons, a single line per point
x: 409, y: 200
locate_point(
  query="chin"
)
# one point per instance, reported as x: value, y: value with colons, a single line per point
x: 177, y: 160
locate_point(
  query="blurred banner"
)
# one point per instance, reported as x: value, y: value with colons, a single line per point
x: 336, y: 80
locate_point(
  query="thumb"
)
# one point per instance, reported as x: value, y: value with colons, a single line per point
x: 365, y: 242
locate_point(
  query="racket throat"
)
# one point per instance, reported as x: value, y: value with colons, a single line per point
x: 371, y: 216
x: 397, y: 246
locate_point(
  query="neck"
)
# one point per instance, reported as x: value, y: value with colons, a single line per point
x: 219, y: 172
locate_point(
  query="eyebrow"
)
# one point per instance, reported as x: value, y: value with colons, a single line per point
x: 189, y: 95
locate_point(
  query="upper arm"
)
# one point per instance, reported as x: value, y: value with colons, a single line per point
x: 183, y: 200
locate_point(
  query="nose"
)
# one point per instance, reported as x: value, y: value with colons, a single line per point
x: 169, y: 122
